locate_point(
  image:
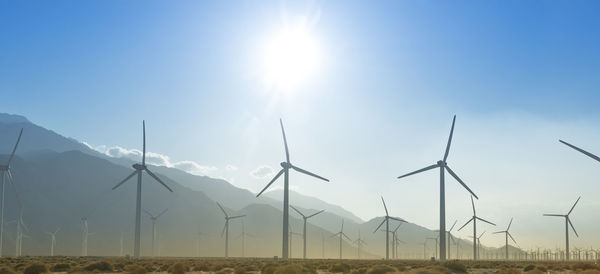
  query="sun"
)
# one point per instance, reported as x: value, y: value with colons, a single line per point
x: 290, y: 58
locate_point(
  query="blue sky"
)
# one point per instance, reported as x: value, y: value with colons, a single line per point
x: 519, y: 75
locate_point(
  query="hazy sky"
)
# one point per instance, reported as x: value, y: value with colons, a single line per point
x: 377, y: 103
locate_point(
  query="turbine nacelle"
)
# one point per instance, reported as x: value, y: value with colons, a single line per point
x: 285, y: 165
x: 139, y: 166
x: 441, y: 163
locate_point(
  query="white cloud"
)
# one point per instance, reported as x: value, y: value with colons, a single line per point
x: 154, y: 159
x: 262, y: 172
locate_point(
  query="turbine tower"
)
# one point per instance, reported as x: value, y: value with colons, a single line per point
x: 443, y: 166
x: 154, y: 218
x: 139, y: 168
x: 52, y: 241
x: 305, y: 218
x: 386, y: 220
x: 5, y: 172
x: 506, y: 235
x: 341, y: 234
x: 567, y: 224
x: 474, y: 220
x: 226, y: 228
x: 285, y: 169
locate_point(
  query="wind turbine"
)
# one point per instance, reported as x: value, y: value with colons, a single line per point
x: 450, y: 237
x: 226, y: 228
x: 359, y: 243
x: 5, y: 172
x: 443, y: 167
x: 474, y: 220
x: 305, y: 218
x: 139, y: 168
x: 506, y: 235
x: 341, y: 234
x: 243, y: 236
x: 386, y: 220
x: 291, y: 238
x: 567, y: 223
x: 154, y: 218
x: 285, y: 169
x: 396, y: 242
x: 52, y: 240
x: 478, y: 240
x: 85, y: 235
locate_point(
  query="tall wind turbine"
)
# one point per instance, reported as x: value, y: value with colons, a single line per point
x: 285, y: 169
x: 85, y: 235
x: 305, y: 218
x: 52, y: 240
x: 506, y: 235
x: 243, y: 236
x: 226, y: 228
x: 359, y: 243
x: 443, y: 167
x: 5, y: 172
x: 139, y: 168
x: 154, y: 218
x: 341, y: 234
x: 474, y: 220
x: 386, y: 220
x: 567, y: 223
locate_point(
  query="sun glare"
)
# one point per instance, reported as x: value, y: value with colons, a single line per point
x: 290, y: 58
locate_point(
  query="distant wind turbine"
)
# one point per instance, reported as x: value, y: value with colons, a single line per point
x: 341, y: 234
x: 567, y: 224
x: 359, y: 243
x: 395, y: 242
x: 291, y: 238
x: 243, y: 236
x: 154, y: 218
x: 226, y: 228
x: 443, y: 167
x: 52, y: 241
x: 285, y: 169
x: 139, y: 168
x: 5, y: 172
x: 474, y: 220
x: 386, y: 220
x: 85, y: 235
x: 305, y: 218
x: 506, y: 235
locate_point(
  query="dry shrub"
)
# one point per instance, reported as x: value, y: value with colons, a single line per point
x: 339, y: 268
x: 101, y: 266
x: 134, y: 269
x: 529, y: 268
x: 456, y: 266
x: 36, y: 268
x: 178, y: 268
x: 381, y: 269
x: 584, y: 266
x: 288, y: 268
x: 6, y: 270
x: 509, y: 271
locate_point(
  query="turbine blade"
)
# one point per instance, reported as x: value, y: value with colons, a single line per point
x: 148, y: 213
x: 344, y: 234
x: 574, y: 205
x: 12, y: 183
x: 239, y: 216
x: 483, y: 220
x: 158, y: 179
x: 385, y: 207
x: 451, y: 238
x: 397, y: 228
x: 511, y: 237
x: 582, y: 151
x: 222, y: 209
x: 144, y: 146
x: 315, y: 214
x: 223, y: 231
x: 418, y: 171
x: 271, y: 182
x: 287, y: 152
x: 452, y: 226
x: 571, y: 224
x: 481, y: 234
x: 473, y: 204
x: 508, y: 228
x: 449, y: 139
x: 12, y: 154
x: 334, y: 235
x: 554, y: 215
x: 498, y: 232
x: 297, y: 211
x: 309, y: 173
x: 163, y: 212
x: 124, y: 180
x: 460, y: 181
x: 384, y: 219
x: 466, y: 223
x: 397, y: 219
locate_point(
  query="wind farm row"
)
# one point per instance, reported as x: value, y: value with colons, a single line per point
x: 391, y: 226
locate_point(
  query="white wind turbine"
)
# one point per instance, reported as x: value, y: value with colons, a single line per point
x: 567, y: 224
x: 341, y: 234
x: 506, y: 235
x: 226, y: 228
x: 243, y: 237
x: 285, y: 170
x: 359, y: 243
x: 52, y: 241
x: 5, y: 172
x: 305, y: 218
x: 154, y: 218
x: 386, y: 220
x: 443, y: 166
x: 139, y: 168
x: 85, y: 234
x: 474, y: 219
